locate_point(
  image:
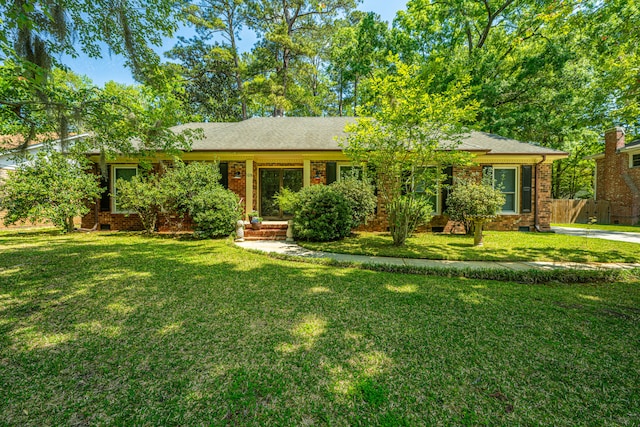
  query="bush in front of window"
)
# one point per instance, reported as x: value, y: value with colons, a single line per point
x: 195, y: 190
x: 473, y: 204
x: 360, y: 196
x: 143, y: 195
x: 182, y: 183
x: 321, y: 214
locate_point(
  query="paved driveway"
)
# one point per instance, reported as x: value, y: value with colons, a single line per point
x: 599, y: 234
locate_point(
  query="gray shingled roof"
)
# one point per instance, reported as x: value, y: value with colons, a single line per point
x: 321, y: 134
x: 633, y: 143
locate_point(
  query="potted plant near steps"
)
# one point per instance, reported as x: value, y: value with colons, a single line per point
x: 255, y: 220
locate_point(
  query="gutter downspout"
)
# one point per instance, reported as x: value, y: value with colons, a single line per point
x: 537, y: 199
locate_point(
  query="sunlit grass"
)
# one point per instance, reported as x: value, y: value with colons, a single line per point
x: 128, y: 330
x: 498, y: 246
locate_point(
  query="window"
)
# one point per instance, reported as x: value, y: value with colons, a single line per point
x: 345, y: 171
x: 425, y: 184
x: 506, y: 180
x: 635, y: 161
x: 121, y: 173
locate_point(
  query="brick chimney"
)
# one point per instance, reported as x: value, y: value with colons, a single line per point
x: 613, y: 141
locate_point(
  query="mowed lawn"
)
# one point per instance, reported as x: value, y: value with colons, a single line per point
x: 498, y: 246
x: 129, y: 330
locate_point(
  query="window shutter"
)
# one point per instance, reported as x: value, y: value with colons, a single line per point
x: 224, y: 172
x: 526, y: 189
x: 105, y: 197
x: 332, y: 170
x: 445, y: 188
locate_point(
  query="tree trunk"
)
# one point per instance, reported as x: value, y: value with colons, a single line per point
x: 340, y: 97
x: 70, y: 225
x: 477, y: 233
x: 355, y: 97
x: 236, y: 63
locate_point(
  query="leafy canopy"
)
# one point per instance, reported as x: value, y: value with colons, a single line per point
x: 50, y: 187
x: 407, y: 135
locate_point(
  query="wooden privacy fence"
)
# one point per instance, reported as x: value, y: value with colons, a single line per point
x: 569, y: 211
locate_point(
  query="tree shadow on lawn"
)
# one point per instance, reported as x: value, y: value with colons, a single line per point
x: 460, y: 247
x: 193, y: 332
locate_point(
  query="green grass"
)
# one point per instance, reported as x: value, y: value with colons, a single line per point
x: 127, y: 330
x: 498, y: 246
x: 626, y: 228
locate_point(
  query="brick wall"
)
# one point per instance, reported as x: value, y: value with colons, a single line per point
x: 618, y: 183
x: 318, y: 169
x: 502, y: 222
x: 238, y: 185
x: 379, y: 223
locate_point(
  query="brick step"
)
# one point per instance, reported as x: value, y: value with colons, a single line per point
x: 265, y: 238
x: 265, y: 232
x: 268, y: 226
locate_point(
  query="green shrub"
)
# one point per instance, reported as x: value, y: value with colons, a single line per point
x: 321, y: 214
x: 405, y: 214
x: 474, y: 203
x: 195, y: 190
x: 50, y: 187
x: 286, y: 200
x: 182, y: 183
x: 215, y: 212
x: 360, y: 196
x: 142, y: 195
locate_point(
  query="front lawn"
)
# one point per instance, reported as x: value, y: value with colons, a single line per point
x: 128, y: 330
x: 498, y: 246
x: 606, y: 227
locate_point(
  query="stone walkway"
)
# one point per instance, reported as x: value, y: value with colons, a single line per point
x: 293, y: 249
x: 620, y: 236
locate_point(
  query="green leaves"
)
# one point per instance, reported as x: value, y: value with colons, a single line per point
x: 49, y: 187
x: 406, y: 130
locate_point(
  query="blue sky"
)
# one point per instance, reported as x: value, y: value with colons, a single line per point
x: 112, y: 67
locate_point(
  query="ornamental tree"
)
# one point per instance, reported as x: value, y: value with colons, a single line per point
x: 407, y: 136
x: 50, y: 187
x: 474, y: 203
x: 142, y: 195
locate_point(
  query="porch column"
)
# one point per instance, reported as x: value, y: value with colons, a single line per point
x: 249, y: 186
x: 306, y: 174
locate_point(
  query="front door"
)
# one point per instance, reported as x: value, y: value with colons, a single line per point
x: 271, y: 181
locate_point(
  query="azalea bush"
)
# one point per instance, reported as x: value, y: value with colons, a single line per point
x: 191, y: 190
x: 195, y: 190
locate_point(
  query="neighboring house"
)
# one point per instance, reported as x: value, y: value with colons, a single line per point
x: 14, y: 152
x: 260, y: 156
x: 617, y: 177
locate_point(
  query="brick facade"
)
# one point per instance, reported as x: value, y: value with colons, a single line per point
x: 238, y: 185
x: 507, y: 222
x: 237, y: 176
x: 616, y: 181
